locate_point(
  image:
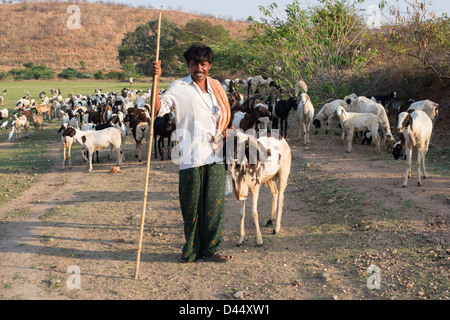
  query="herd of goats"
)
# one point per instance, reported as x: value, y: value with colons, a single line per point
x: 258, y: 112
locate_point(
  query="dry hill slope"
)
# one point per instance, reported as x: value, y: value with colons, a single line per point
x: 38, y: 32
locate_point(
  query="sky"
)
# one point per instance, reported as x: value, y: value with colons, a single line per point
x: 241, y: 9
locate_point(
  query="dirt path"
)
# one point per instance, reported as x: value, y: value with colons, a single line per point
x: 91, y: 220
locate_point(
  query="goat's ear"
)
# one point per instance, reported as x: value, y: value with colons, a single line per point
x: 61, y: 129
x: 407, y: 121
x: 348, y: 101
x: 72, y: 132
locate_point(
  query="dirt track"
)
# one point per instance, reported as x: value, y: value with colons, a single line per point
x: 342, y: 213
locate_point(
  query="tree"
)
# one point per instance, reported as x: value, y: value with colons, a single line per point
x: 322, y: 45
x: 139, y: 47
x: 420, y: 35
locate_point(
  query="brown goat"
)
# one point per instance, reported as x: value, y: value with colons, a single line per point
x: 44, y: 108
x: 38, y: 122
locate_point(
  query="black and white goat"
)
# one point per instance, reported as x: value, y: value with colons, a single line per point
x: 162, y: 129
x: 280, y: 112
x: 93, y: 141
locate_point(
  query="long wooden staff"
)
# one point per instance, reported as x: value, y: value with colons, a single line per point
x: 144, y: 207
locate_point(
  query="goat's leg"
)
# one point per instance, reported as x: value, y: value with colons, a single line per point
x: 69, y: 155
x: 242, y: 223
x: 64, y: 156
x: 349, y: 140
x: 376, y: 137
x: 274, y: 191
x: 424, y: 173
x: 90, y: 156
x: 161, y: 147
x: 299, y: 131
x: 255, y: 196
x: 282, y: 186
x: 110, y: 152
x: 408, y: 167
x: 419, y: 164
x: 169, y: 148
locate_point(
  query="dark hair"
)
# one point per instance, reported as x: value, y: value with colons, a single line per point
x: 199, y: 53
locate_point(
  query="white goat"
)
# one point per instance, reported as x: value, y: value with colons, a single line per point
x: 259, y: 161
x: 300, y: 87
x: 327, y: 112
x: 416, y: 128
x: 305, y: 115
x: 365, y: 105
x: 19, y: 122
x: 352, y: 122
x: 427, y: 106
x: 93, y: 141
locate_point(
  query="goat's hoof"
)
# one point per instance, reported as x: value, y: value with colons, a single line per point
x: 259, y: 245
x: 403, y: 186
x: 424, y: 177
x: 240, y: 244
x: 274, y: 231
x: 269, y: 223
x: 419, y: 184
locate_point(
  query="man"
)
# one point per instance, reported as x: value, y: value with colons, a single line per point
x: 202, y: 113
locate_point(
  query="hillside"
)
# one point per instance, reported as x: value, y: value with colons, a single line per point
x: 38, y: 32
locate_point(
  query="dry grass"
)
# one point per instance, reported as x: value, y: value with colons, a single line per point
x: 37, y: 32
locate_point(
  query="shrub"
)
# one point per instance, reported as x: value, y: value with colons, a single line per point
x: 70, y: 73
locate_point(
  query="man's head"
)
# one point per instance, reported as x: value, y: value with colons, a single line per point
x: 199, y: 59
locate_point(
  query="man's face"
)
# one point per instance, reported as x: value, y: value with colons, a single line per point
x: 199, y: 70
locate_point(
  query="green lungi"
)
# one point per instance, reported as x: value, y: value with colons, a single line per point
x: 202, y: 201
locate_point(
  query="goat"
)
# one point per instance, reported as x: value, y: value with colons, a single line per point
x: 384, y: 99
x: 352, y: 122
x: 427, y: 106
x: 67, y: 139
x: 142, y: 132
x: 366, y: 105
x: 300, y: 87
x: 4, y: 115
x: 19, y: 122
x: 136, y: 116
x: 38, y: 123
x: 44, y: 108
x: 162, y: 129
x: 280, y: 112
x: 97, y: 140
x: 305, y: 115
x: 245, y: 121
x: 262, y: 83
x: 417, y: 128
x: 327, y: 112
x: 256, y: 162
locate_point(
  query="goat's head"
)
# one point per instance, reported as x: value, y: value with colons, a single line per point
x: 350, y: 98
x: 317, y: 123
x: 399, y: 148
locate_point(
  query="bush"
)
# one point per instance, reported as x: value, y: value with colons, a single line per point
x: 32, y: 71
x: 115, y: 75
x: 70, y: 73
x: 99, y: 75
